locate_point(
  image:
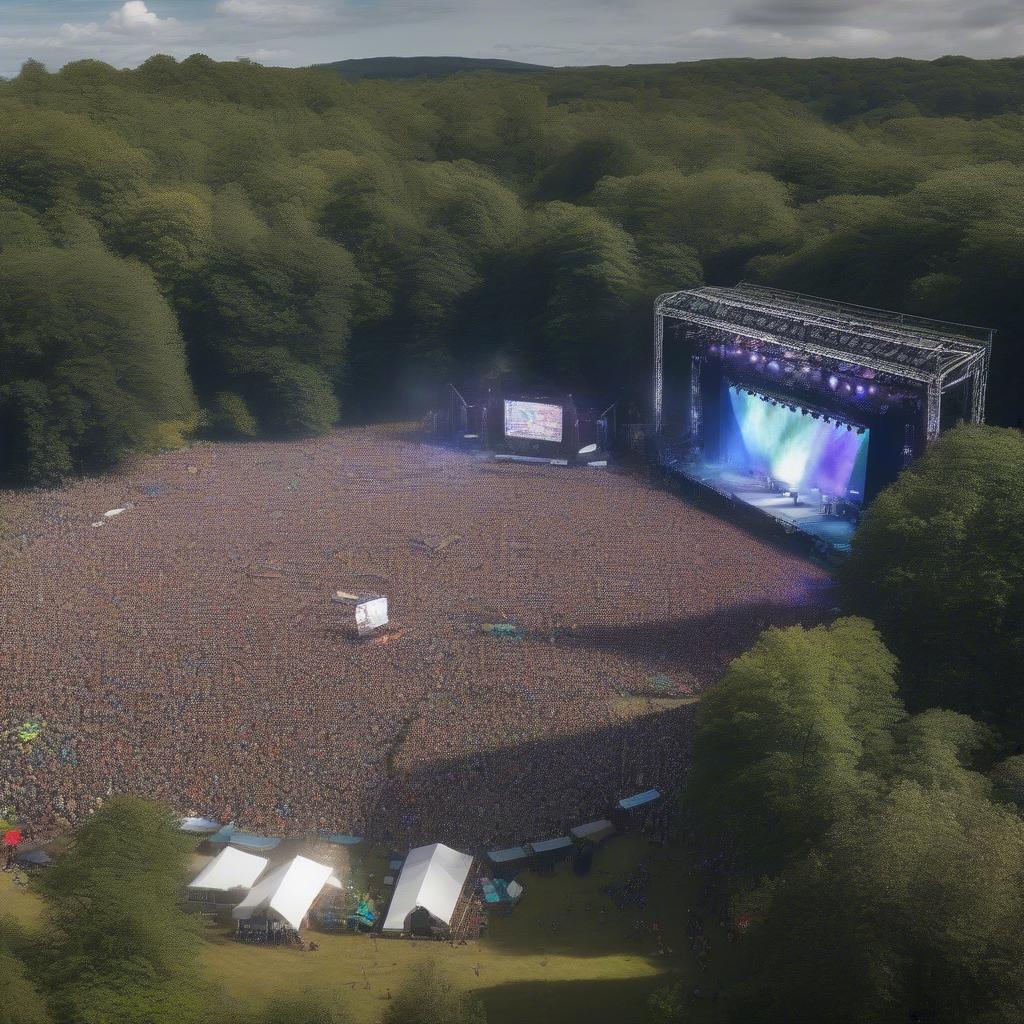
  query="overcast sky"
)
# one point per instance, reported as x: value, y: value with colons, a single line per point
x: 299, y: 32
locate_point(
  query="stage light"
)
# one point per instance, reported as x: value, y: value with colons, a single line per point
x: 753, y: 357
x: 846, y: 387
x: 773, y: 365
x: 860, y: 389
x: 833, y: 382
x: 872, y: 389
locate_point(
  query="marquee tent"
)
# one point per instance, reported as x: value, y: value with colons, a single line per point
x: 287, y: 892
x: 230, y: 869
x: 431, y: 880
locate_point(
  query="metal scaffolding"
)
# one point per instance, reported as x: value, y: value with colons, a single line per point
x: 930, y: 354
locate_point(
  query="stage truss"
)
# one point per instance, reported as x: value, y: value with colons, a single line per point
x: 909, y: 350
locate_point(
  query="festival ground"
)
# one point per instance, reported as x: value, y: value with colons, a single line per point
x: 567, y: 952
x: 187, y: 648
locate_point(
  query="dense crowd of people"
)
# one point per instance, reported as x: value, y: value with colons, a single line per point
x: 187, y: 647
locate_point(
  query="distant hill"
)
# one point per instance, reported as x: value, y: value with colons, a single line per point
x: 423, y: 67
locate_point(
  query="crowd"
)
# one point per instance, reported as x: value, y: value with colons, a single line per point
x: 188, y: 649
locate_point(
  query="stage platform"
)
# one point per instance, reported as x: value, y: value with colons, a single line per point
x: 806, y: 516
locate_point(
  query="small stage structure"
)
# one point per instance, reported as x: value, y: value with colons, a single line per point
x: 801, y: 407
x: 525, y: 425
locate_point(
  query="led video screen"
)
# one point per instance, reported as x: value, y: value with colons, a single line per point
x: 793, y: 447
x: 533, y: 421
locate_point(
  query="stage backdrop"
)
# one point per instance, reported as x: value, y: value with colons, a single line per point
x: 796, y: 449
x: 533, y: 421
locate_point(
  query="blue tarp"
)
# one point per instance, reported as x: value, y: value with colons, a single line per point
x: 639, y: 799
x: 254, y: 842
x: 504, y: 856
x: 340, y: 838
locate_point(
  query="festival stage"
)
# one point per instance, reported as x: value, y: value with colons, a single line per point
x: 806, y: 516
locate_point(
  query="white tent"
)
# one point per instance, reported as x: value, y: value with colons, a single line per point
x: 230, y: 869
x: 432, y: 878
x: 288, y: 892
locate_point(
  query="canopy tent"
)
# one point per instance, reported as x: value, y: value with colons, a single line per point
x: 199, y: 825
x: 594, y: 831
x: 630, y: 803
x: 230, y: 869
x: 254, y: 842
x: 507, y: 855
x: 432, y: 879
x: 37, y: 857
x: 288, y: 892
x: 224, y: 833
x: 341, y: 839
x: 514, y: 890
x: 551, y: 845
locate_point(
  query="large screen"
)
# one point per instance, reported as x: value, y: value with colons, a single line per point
x: 533, y: 421
x: 795, y: 448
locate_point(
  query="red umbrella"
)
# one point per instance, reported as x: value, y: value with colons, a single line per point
x: 12, y: 837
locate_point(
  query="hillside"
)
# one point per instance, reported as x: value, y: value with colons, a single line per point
x: 246, y: 251
x: 422, y: 67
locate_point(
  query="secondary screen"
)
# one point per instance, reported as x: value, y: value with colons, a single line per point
x: 533, y: 421
x: 795, y: 448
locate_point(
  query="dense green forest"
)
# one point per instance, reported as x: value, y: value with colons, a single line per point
x: 193, y: 246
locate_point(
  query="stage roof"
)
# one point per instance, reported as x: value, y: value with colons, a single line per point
x: 432, y: 878
x: 906, y: 346
x: 230, y: 869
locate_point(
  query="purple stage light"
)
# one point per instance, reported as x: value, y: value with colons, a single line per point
x: 833, y: 382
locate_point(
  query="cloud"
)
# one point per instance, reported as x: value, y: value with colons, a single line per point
x: 268, y: 12
x: 800, y: 13
x: 133, y: 19
x: 136, y: 18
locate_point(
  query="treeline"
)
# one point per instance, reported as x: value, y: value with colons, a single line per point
x: 115, y: 947
x: 878, y: 852
x: 223, y: 248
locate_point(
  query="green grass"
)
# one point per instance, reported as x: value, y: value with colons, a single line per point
x: 21, y: 904
x: 565, y: 953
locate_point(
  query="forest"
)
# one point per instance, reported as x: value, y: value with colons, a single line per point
x: 220, y: 249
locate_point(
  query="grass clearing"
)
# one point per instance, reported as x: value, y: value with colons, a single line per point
x: 566, y: 952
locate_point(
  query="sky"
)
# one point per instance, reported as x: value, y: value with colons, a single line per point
x: 559, y: 32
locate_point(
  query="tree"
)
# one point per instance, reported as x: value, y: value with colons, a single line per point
x: 908, y: 913
x: 21, y: 1002
x: 427, y: 997
x: 792, y: 739
x: 120, y: 948
x: 940, y: 568
x: 93, y: 360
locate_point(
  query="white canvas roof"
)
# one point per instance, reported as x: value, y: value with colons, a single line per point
x: 288, y: 891
x: 432, y: 877
x: 230, y: 869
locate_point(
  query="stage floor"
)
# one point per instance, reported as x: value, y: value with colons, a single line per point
x: 805, y: 516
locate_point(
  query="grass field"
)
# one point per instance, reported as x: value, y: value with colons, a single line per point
x: 566, y: 953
